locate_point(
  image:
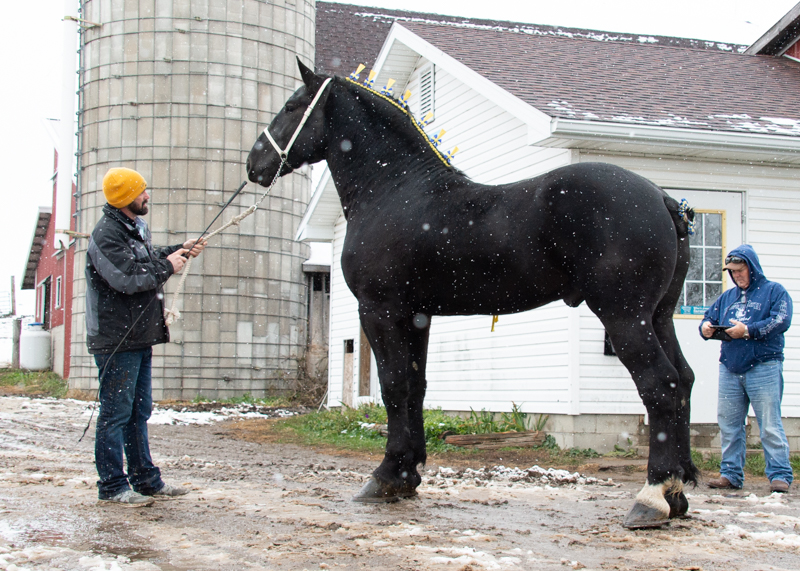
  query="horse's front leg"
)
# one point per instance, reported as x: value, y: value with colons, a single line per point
x: 400, y: 345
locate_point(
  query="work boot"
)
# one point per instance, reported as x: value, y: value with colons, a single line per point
x: 779, y: 486
x: 169, y: 491
x: 722, y: 483
x: 129, y: 499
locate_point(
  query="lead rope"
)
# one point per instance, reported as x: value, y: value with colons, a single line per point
x: 172, y: 315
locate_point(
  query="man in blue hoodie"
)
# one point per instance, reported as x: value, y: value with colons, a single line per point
x: 758, y: 312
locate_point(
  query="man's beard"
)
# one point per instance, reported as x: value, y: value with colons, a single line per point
x: 139, y: 210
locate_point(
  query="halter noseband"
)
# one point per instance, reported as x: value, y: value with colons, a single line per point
x: 284, y: 153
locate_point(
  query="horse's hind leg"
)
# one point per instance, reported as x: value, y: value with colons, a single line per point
x: 665, y: 329
x: 664, y: 325
x: 656, y: 380
x: 400, y: 344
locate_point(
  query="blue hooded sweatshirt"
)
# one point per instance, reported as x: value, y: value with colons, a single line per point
x: 764, y: 307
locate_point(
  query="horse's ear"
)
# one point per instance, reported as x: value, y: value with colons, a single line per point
x: 308, y: 75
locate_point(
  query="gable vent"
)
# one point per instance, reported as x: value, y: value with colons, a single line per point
x: 427, y: 83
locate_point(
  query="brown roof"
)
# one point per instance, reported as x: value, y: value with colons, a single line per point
x: 587, y: 75
x: 37, y: 245
x: 347, y: 35
x: 640, y: 83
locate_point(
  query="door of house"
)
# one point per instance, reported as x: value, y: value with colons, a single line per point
x: 45, y: 302
x: 719, y: 228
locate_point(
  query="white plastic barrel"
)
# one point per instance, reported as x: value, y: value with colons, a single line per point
x: 34, y: 348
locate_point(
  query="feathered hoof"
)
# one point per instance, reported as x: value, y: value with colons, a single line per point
x: 374, y: 492
x: 678, y: 504
x: 642, y: 516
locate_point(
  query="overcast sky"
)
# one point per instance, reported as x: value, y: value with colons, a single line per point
x: 29, y: 65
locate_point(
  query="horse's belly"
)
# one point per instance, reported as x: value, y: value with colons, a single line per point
x: 469, y: 289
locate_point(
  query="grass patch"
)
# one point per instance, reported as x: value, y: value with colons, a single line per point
x: 754, y: 465
x: 33, y: 383
x: 355, y: 429
x: 351, y: 428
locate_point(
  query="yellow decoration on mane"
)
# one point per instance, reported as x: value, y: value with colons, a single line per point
x: 402, y: 106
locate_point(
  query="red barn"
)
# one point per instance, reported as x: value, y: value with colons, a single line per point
x: 49, y: 272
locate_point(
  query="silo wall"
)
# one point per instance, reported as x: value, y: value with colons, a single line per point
x: 179, y: 90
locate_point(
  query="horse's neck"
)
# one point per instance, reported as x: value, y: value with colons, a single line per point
x: 368, y: 156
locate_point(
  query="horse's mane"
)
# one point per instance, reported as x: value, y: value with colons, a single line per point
x: 399, y: 109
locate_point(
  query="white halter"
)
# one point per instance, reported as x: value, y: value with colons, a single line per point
x: 284, y: 153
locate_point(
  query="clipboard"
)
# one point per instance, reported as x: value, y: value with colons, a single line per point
x: 719, y: 333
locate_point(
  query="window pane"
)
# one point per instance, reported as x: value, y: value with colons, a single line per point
x: 695, y: 264
x: 705, y: 275
x: 713, y: 229
x: 713, y: 291
x: 694, y: 294
x: 714, y: 264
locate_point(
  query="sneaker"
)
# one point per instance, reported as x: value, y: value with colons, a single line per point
x: 129, y: 499
x: 779, y: 486
x: 722, y: 483
x: 169, y: 491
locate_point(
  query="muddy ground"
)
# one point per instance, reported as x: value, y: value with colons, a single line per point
x: 260, y: 504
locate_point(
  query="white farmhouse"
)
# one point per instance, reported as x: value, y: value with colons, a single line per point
x: 716, y: 124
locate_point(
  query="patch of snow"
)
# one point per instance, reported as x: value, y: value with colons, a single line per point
x: 563, y: 107
x: 533, y: 30
x: 771, y: 537
x: 446, y: 477
x: 184, y: 417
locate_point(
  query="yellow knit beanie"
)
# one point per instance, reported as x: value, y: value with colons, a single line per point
x: 121, y: 186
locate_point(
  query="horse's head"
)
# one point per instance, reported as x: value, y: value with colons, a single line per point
x: 303, y: 142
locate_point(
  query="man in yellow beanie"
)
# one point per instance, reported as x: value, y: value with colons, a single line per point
x: 125, y: 275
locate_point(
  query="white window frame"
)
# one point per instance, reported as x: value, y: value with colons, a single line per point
x: 703, y: 247
x: 57, y: 292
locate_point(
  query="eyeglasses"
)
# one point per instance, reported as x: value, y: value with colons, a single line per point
x: 734, y: 260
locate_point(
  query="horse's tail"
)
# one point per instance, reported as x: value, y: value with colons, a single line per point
x: 682, y: 215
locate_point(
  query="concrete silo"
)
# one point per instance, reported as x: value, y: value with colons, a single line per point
x: 179, y: 90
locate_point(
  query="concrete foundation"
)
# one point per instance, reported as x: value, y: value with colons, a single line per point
x: 602, y: 432
x: 180, y: 90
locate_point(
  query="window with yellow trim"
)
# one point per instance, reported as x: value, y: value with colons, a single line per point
x: 704, y: 281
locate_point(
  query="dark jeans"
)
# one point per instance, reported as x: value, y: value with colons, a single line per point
x: 126, y: 402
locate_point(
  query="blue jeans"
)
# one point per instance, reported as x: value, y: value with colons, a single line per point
x: 761, y: 386
x: 126, y: 402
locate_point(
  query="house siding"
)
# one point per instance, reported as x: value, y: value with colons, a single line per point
x: 344, y: 322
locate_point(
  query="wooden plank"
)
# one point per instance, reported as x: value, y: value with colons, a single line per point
x: 495, y: 440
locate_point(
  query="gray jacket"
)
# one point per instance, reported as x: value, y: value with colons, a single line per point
x: 124, y: 279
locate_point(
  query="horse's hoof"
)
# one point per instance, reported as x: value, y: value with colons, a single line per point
x: 642, y: 516
x: 678, y: 504
x: 374, y: 493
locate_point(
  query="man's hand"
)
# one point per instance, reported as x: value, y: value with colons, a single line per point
x: 194, y: 248
x: 177, y: 259
x: 707, y: 330
x: 738, y: 330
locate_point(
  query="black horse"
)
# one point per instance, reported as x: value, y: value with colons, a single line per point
x: 423, y: 239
